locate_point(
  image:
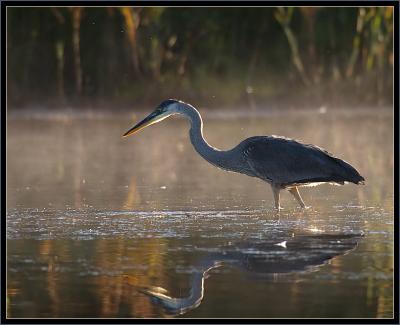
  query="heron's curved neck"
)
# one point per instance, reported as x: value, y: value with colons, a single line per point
x: 214, y: 156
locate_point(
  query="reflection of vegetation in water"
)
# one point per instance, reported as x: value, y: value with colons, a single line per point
x: 105, y: 276
x: 67, y: 266
x: 133, y: 198
x: 116, y: 290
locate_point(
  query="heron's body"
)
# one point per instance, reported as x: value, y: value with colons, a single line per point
x: 283, y: 163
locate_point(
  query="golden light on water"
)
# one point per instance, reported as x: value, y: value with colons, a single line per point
x: 315, y: 230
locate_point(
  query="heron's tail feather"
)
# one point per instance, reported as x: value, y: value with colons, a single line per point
x: 347, y: 173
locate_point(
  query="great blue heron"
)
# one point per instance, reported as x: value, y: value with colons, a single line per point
x: 283, y: 163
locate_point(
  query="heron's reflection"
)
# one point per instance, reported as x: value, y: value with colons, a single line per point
x: 267, y: 257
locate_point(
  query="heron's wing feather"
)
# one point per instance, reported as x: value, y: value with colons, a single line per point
x: 286, y: 161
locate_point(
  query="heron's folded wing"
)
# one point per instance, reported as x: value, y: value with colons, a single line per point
x: 286, y: 161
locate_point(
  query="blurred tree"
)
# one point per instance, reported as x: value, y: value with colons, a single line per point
x: 309, y: 15
x: 59, y: 49
x: 76, y: 40
x: 132, y: 21
x: 284, y: 16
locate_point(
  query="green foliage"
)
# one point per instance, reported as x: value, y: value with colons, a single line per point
x: 211, y: 55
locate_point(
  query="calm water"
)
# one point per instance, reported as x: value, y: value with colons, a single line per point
x: 100, y: 226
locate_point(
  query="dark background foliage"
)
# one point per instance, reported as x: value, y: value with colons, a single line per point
x: 215, y: 56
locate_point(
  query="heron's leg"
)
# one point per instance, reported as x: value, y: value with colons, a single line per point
x: 276, y: 190
x: 295, y: 192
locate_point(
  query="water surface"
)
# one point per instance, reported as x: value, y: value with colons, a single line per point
x: 100, y: 226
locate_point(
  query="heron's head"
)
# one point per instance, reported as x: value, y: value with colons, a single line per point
x: 165, y: 109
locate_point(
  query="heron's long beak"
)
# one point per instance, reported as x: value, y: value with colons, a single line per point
x: 149, y: 120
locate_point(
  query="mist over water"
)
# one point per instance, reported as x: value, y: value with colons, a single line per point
x: 94, y: 218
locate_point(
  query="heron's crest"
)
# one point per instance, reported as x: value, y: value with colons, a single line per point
x: 166, y: 103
